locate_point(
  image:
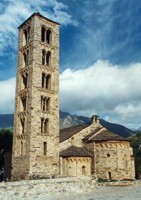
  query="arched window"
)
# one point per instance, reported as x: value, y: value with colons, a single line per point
x: 21, y: 153
x: 110, y: 175
x: 48, y: 58
x: 24, y: 81
x: 23, y: 101
x: 26, y: 58
x: 45, y: 148
x: 45, y: 103
x: 46, y: 126
x: 43, y: 56
x: 48, y: 36
x: 83, y: 170
x: 22, y: 125
x: 48, y: 104
x: 43, y: 34
x: 26, y: 36
x: 43, y: 80
x: 42, y: 125
x: 48, y: 81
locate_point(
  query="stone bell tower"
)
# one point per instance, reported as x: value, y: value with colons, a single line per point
x: 36, y: 120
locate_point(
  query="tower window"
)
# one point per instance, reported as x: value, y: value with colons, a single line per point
x: 22, y: 126
x: 43, y: 56
x: 48, y: 81
x: 43, y: 34
x: 43, y: 80
x: 45, y: 103
x: 23, y: 101
x: 25, y: 80
x: 48, y: 36
x: 26, y: 58
x: 44, y: 125
x: 21, y: 152
x: 26, y: 36
x: 45, y: 148
x: 48, y: 58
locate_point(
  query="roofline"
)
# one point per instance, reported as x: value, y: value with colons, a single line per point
x: 75, y: 156
x: 37, y: 14
x: 116, y: 140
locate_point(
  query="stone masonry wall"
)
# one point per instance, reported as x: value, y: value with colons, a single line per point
x: 76, y: 166
x: 114, y: 159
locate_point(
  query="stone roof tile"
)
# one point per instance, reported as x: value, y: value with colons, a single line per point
x: 75, y: 152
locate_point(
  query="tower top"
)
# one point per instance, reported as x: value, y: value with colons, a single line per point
x: 39, y: 15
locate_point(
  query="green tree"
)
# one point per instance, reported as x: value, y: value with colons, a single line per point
x: 135, y: 141
x: 6, y: 137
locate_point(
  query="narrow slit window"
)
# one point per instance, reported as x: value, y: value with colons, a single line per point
x: 24, y: 58
x: 45, y: 148
x: 21, y: 153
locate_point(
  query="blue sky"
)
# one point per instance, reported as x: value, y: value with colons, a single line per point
x: 100, y: 55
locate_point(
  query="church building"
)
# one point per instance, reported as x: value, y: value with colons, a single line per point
x: 39, y: 150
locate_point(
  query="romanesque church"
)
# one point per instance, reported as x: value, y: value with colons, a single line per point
x: 40, y: 149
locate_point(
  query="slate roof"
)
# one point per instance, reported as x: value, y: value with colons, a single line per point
x: 69, y: 132
x: 104, y: 135
x: 75, y: 152
x: 99, y: 134
x: 37, y: 14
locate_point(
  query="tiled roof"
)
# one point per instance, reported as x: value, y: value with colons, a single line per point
x: 75, y: 152
x: 69, y: 132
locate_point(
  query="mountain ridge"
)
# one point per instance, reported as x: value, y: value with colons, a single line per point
x: 68, y: 120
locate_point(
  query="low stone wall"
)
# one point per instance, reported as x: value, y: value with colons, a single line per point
x: 30, y: 189
x: 118, y: 183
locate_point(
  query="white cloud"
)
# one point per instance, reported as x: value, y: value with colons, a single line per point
x: 14, y: 12
x: 110, y: 91
x: 7, y: 96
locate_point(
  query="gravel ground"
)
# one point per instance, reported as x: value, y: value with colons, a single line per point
x: 101, y: 193
x: 132, y: 192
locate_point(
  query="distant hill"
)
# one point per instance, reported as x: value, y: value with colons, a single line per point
x: 68, y: 120
x: 6, y: 120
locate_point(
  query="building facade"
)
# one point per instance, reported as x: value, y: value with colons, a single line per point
x: 91, y: 149
x: 36, y: 119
